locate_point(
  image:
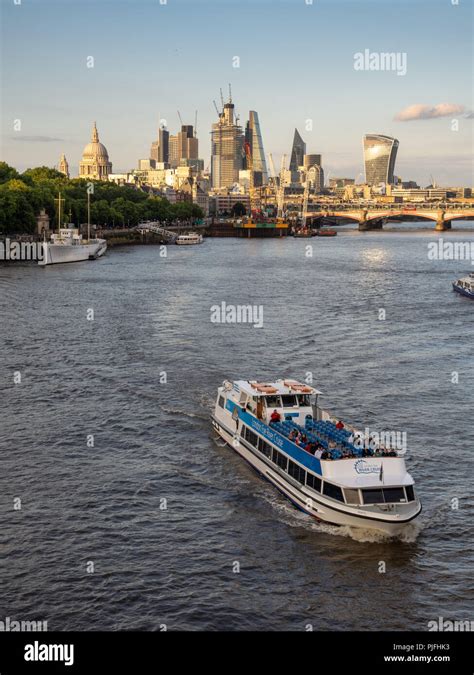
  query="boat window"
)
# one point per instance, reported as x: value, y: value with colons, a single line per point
x: 373, y: 496
x: 313, y: 482
x: 352, y: 496
x: 280, y: 459
x: 296, y: 472
x: 333, y: 491
x: 221, y: 401
x: 251, y: 437
x: 289, y: 400
x: 264, y: 447
x: 410, y: 493
x: 273, y: 401
x: 396, y: 494
x: 386, y: 495
x: 304, y: 400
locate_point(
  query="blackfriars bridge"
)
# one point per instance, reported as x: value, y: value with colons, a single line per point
x: 373, y: 218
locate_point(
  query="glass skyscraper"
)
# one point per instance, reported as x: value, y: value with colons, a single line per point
x: 380, y: 153
x: 253, y: 137
x: 298, y: 151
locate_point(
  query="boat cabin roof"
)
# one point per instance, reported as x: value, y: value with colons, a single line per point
x: 272, y: 388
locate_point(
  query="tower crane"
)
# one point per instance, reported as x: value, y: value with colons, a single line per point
x: 305, y: 202
x: 281, y: 189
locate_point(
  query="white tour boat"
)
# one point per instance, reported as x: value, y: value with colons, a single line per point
x: 340, y: 483
x: 67, y: 244
x: 189, y: 239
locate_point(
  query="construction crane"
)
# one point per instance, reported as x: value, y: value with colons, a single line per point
x: 179, y: 115
x: 305, y: 202
x: 281, y: 189
x: 274, y: 176
x: 248, y: 156
x: 195, y: 123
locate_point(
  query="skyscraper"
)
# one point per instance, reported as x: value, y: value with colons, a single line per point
x: 183, y: 147
x: 253, y: 137
x: 160, y: 149
x: 298, y: 152
x: 380, y: 153
x: 227, y: 145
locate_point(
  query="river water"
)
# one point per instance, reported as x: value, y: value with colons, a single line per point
x: 151, y: 523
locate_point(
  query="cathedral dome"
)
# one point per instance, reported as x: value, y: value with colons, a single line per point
x: 95, y: 161
x: 95, y: 148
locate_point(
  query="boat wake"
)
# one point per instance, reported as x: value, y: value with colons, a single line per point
x: 294, y: 518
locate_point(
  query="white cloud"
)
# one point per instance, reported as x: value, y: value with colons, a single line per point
x: 418, y: 111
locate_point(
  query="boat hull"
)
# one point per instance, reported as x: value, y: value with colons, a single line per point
x: 304, y: 498
x: 463, y: 291
x: 54, y: 254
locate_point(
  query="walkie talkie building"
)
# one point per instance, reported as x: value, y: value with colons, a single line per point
x: 380, y: 153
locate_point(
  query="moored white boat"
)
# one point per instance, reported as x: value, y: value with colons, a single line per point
x: 340, y: 484
x: 68, y: 246
x: 189, y: 239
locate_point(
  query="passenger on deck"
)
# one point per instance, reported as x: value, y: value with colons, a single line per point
x: 293, y: 434
x: 275, y: 417
x: 319, y: 453
x: 340, y: 425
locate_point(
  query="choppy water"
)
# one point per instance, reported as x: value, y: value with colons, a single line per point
x: 153, y: 442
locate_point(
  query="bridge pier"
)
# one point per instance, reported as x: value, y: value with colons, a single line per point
x: 367, y: 225
x: 442, y: 225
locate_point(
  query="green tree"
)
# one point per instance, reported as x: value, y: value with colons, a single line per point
x: 7, y: 172
x: 238, y: 210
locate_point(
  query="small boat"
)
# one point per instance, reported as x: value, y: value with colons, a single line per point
x: 189, y: 239
x: 465, y: 286
x: 68, y: 245
x: 326, y: 232
x: 305, y: 233
x: 313, y: 459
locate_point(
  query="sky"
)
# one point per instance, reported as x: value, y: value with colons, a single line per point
x: 295, y: 67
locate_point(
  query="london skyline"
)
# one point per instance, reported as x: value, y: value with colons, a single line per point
x: 298, y: 72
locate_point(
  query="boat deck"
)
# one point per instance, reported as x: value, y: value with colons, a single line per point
x: 335, y: 442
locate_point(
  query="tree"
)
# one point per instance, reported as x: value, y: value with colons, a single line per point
x: 42, y: 173
x: 238, y: 210
x: 7, y: 172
